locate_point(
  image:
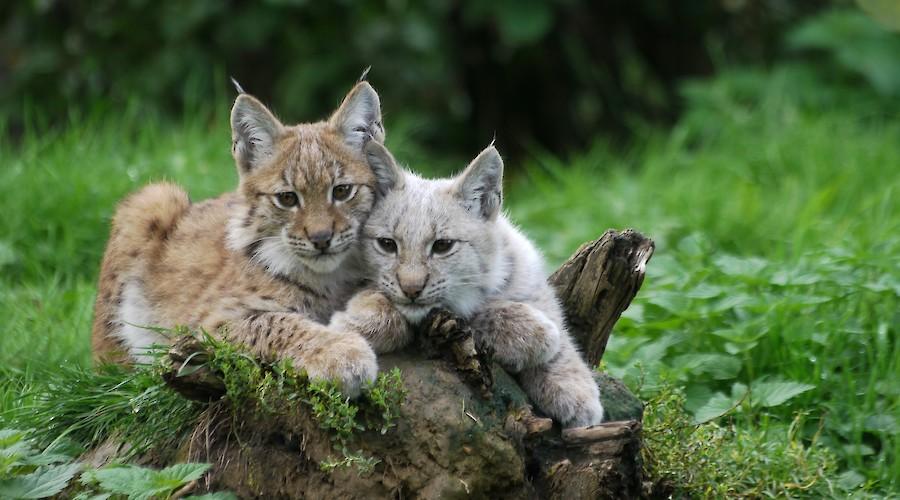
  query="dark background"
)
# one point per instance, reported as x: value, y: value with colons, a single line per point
x: 542, y: 75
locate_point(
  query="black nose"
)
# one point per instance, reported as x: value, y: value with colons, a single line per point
x: 321, y: 239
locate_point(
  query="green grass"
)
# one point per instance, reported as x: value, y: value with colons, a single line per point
x: 774, y: 207
x: 774, y: 288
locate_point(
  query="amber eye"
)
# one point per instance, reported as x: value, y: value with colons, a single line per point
x: 286, y: 199
x: 441, y: 247
x: 342, y: 192
x: 387, y: 244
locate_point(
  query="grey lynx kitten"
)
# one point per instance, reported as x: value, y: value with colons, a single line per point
x: 445, y: 243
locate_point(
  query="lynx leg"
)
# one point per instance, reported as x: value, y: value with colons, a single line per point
x: 520, y: 334
x: 321, y: 352
x: 564, y: 388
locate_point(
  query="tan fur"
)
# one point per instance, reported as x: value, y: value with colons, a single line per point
x: 241, y: 266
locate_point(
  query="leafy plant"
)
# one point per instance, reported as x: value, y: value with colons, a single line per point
x: 89, y: 406
x: 140, y: 483
x: 27, y: 472
x: 712, y: 460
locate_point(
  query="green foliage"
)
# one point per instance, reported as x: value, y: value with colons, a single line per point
x: 462, y: 62
x: 773, y: 291
x: 26, y: 472
x: 712, y: 460
x: 774, y: 286
x: 255, y: 386
x: 89, y: 406
x: 855, y: 43
x: 385, y: 397
x: 141, y: 483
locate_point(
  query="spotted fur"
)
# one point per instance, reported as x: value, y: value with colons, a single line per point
x: 245, y: 265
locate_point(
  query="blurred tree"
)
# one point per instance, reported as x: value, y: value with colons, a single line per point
x: 551, y: 74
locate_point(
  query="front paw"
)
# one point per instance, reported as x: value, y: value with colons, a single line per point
x: 444, y: 326
x: 343, y: 358
x: 367, y: 303
x: 589, y: 414
x: 372, y: 315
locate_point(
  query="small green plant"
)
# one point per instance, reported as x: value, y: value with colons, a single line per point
x: 28, y: 472
x: 385, y: 396
x: 134, y: 482
x: 277, y: 387
x: 712, y: 460
x: 88, y: 406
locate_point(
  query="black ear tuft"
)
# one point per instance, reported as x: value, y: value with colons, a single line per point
x: 365, y: 75
x: 237, y: 86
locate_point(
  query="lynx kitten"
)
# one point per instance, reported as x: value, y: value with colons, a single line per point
x: 445, y: 243
x: 263, y: 266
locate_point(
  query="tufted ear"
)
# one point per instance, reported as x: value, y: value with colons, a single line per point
x: 388, y: 175
x: 480, y: 186
x: 254, y: 130
x: 358, y: 119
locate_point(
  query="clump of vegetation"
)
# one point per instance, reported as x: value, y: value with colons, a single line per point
x: 89, y: 406
x: 712, y: 460
x: 29, y: 472
x: 276, y: 387
x: 136, y: 407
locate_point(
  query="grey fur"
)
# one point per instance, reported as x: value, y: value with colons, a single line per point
x: 492, y: 275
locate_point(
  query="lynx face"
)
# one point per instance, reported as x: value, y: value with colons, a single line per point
x: 307, y: 188
x: 431, y: 242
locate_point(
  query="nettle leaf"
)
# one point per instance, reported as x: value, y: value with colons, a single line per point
x: 715, y: 407
x: 43, y: 482
x: 184, y: 473
x: 143, y: 483
x: 87, y: 495
x: 62, y: 450
x: 740, y: 266
x: 9, y: 437
x: 772, y: 393
x: 220, y: 495
x: 720, y: 366
x: 881, y: 423
x: 695, y: 396
x: 123, y: 479
x: 705, y: 291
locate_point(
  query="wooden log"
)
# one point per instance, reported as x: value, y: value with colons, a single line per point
x: 597, y: 284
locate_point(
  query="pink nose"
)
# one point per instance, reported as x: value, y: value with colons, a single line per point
x: 412, y: 290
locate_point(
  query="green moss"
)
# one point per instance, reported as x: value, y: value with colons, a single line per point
x: 136, y: 407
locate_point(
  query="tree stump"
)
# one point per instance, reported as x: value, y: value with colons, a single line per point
x: 466, y: 428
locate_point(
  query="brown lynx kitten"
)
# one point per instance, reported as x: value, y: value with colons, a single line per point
x: 445, y: 243
x: 263, y: 266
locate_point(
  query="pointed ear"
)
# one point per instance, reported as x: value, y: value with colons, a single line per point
x: 388, y: 175
x: 358, y: 119
x: 254, y: 130
x: 480, y: 186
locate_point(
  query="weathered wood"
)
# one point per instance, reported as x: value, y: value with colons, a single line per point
x: 597, y: 284
x: 466, y: 428
x: 602, y: 432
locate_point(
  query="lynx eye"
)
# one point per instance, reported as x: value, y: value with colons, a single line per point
x: 342, y: 192
x: 441, y: 247
x: 387, y: 244
x: 286, y: 199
